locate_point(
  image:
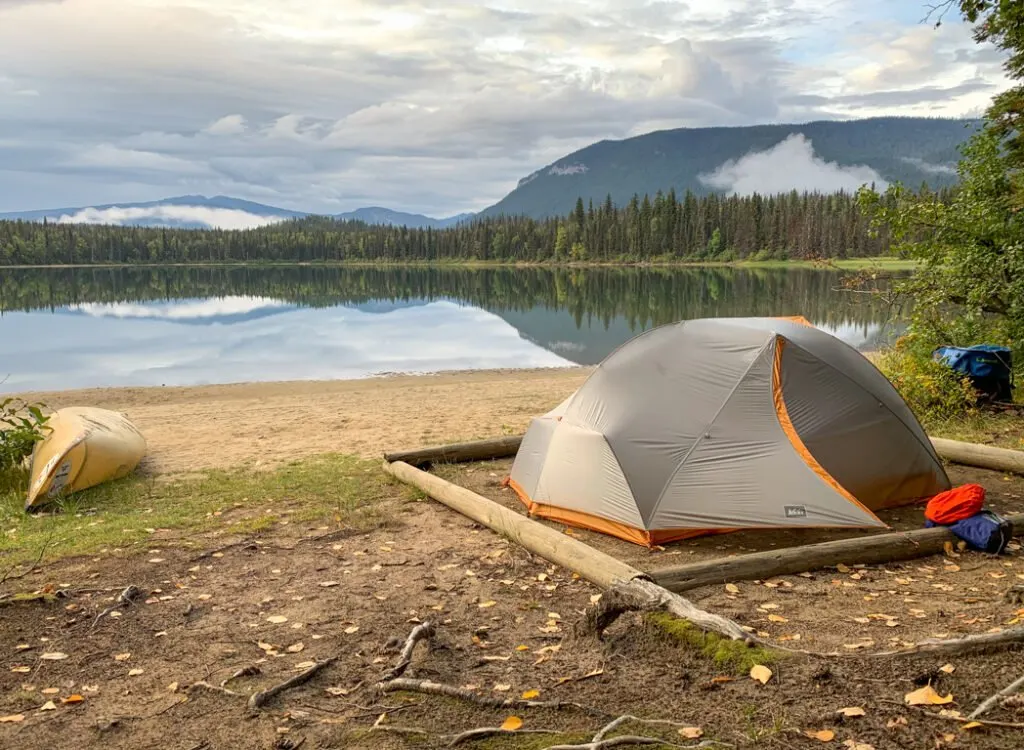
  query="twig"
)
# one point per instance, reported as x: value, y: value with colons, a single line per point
x: 211, y: 552
x: 125, y: 599
x: 481, y: 732
x: 423, y: 631
x: 987, y: 704
x: 10, y: 575
x: 214, y: 688
x: 964, y: 720
x: 248, y: 671
x: 256, y: 700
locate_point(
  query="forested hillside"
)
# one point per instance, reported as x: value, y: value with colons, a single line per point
x: 665, y: 228
x: 904, y: 149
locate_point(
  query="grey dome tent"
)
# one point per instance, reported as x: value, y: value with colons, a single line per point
x: 723, y: 424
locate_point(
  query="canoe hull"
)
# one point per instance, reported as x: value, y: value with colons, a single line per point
x: 85, y: 446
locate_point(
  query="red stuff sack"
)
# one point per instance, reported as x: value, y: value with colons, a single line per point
x: 955, y: 504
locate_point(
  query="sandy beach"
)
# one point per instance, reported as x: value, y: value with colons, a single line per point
x: 266, y: 424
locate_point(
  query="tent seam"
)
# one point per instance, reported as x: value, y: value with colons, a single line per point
x: 704, y: 431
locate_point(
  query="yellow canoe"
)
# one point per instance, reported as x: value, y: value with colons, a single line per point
x: 84, y: 447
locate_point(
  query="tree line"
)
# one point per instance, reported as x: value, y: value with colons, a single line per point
x: 665, y: 228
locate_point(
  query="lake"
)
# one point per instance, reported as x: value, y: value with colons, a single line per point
x: 90, y: 327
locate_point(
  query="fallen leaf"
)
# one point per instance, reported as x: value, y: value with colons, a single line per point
x: 854, y: 745
x: 204, y: 597
x: 595, y: 598
x: 899, y: 721
x: 173, y: 687
x: 691, y: 733
x: 777, y: 618
x: 295, y: 647
x: 760, y: 673
x: 277, y: 619
x: 135, y: 672
x: 488, y: 603
x: 303, y: 665
x: 328, y: 584
x: 122, y: 657
x: 12, y: 719
x: 927, y: 696
x: 496, y: 658
x: 502, y: 688
x: 529, y: 695
x: 352, y: 629
x: 851, y: 711
x: 50, y: 691
x: 594, y: 673
x: 337, y: 691
x: 822, y: 735
x: 73, y: 699
x: 53, y: 656
x: 522, y: 648
x: 972, y: 725
x: 511, y: 724
x: 732, y: 588
x: 947, y: 668
x: 842, y: 568
x: 48, y: 706
x: 21, y: 670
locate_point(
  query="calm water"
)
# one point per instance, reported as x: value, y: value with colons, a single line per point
x: 72, y: 328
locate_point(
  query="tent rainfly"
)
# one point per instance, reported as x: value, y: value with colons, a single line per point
x: 722, y: 424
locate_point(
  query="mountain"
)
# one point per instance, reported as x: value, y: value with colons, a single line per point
x: 909, y: 150
x: 377, y: 215
x: 200, y: 212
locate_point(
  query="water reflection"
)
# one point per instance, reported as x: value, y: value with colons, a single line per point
x: 66, y: 328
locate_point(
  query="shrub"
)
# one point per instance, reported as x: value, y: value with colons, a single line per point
x: 932, y: 390
x: 22, y: 425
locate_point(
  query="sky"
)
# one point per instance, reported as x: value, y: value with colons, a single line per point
x: 431, y: 106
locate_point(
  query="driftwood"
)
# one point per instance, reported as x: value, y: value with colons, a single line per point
x: 867, y: 549
x: 480, y: 450
x: 984, y: 456
x: 969, y: 454
x: 597, y: 567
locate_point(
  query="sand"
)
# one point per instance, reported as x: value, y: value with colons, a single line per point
x: 266, y: 424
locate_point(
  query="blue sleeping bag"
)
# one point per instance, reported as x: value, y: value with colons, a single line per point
x: 985, y: 531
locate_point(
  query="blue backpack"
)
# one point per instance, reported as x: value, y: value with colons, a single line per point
x: 985, y: 531
x: 989, y: 368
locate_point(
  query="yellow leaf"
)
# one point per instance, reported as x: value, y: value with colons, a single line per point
x: 53, y: 656
x: 691, y: 733
x: 842, y: 568
x: 522, y: 648
x: 135, y: 672
x: 760, y: 673
x: 485, y: 605
x: 822, y: 735
x: 48, y: 706
x: 972, y: 725
x: 277, y: 619
x: 295, y: 647
x: 502, y: 688
x: 13, y: 718
x: 352, y: 629
x: 73, y: 699
x: 595, y: 598
x: 947, y: 668
x: 529, y: 695
x: 122, y: 657
x: 173, y: 687
x: 732, y: 588
x: 851, y: 711
x: 777, y: 618
x: 511, y: 724
x: 927, y: 696
x: 21, y: 670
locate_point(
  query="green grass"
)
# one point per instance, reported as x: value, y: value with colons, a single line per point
x: 726, y: 653
x: 1004, y: 430
x: 847, y: 264
x: 336, y: 490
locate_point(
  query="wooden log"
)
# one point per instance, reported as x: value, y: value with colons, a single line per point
x: 480, y: 450
x: 597, y: 567
x: 984, y: 456
x: 877, y: 548
x: 969, y: 454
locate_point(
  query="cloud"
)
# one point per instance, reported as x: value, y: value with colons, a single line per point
x: 924, y: 166
x: 227, y: 125
x: 219, y: 218
x: 789, y: 165
x: 433, y: 107
x: 187, y: 310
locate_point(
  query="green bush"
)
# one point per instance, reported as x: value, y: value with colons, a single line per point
x: 934, y: 391
x: 22, y: 425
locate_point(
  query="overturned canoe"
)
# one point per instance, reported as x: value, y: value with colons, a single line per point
x: 84, y: 447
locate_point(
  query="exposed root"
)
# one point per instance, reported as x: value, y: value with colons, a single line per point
x: 204, y: 685
x: 249, y: 671
x: 955, y: 646
x: 257, y: 700
x: 423, y: 631
x: 601, y: 741
x: 451, y: 691
x: 965, y: 720
x: 989, y: 702
x: 480, y: 733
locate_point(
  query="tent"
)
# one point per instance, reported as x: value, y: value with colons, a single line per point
x: 723, y: 424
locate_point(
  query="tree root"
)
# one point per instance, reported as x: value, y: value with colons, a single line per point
x: 601, y: 741
x: 989, y: 702
x: 451, y: 691
x: 423, y: 631
x: 480, y: 733
x: 204, y: 685
x: 258, y: 699
x: 249, y: 671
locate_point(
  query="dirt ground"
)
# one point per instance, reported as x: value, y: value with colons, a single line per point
x: 264, y: 424
x: 294, y: 594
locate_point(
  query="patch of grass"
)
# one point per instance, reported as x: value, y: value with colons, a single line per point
x: 335, y: 489
x: 1002, y: 429
x: 725, y: 653
x: 532, y: 741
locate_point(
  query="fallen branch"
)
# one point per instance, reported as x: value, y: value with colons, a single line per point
x: 601, y: 741
x: 965, y: 720
x: 476, y: 734
x: 423, y: 631
x: 258, y: 699
x: 204, y: 685
x: 954, y: 646
x: 125, y: 599
x: 249, y: 671
x: 989, y: 702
